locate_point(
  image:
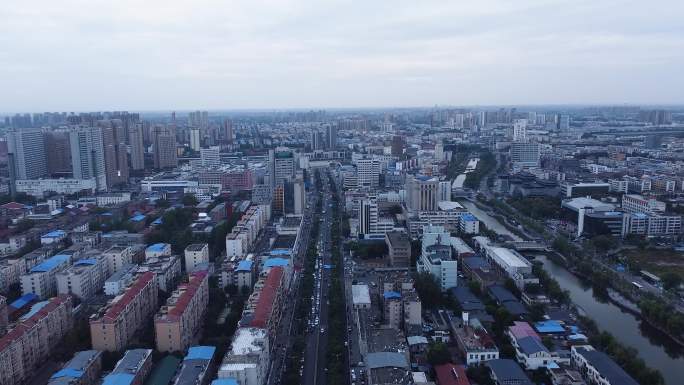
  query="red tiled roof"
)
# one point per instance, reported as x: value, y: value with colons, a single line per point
x: 183, y: 300
x: 450, y: 374
x: 264, y: 306
x: 19, y: 330
x: 116, y: 308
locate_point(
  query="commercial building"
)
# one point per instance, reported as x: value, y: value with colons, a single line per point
x: 525, y: 154
x: 511, y: 264
x: 421, y: 193
x: 83, y: 369
x: 177, y: 323
x: 196, y: 366
x: 40, y: 187
x: 196, y: 254
x: 368, y: 173
x: 112, y: 327
x: 361, y: 297
x: 436, y: 257
x: 399, y: 247
x: 25, y: 348
x: 574, y: 189
x: 132, y: 368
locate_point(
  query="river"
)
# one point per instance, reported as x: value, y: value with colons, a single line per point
x: 655, y: 348
x: 490, y: 222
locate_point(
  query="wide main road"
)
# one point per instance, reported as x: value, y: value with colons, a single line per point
x: 315, y: 362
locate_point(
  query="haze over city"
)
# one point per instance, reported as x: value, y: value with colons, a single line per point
x: 161, y: 55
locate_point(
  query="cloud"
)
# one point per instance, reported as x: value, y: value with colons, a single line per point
x: 142, y: 55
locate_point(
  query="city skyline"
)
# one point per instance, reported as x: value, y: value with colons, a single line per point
x: 297, y: 55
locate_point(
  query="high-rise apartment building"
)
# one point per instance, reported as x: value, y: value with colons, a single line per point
x: 164, y: 147
x: 59, y: 153
x: 26, y: 150
x: 137, y: 147
x: 116, y: 155
x: 331, y: 136
x: 87, y: 155
x: 520, y: 130
x: 282, y: 165
x: 228, y: 131
x: 195, y: 139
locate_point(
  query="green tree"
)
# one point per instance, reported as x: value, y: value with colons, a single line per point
x: 428, y: 290
x: 604, y: 243
x: 671, y: 280
x: 438, y: 354
x: 189, y: 200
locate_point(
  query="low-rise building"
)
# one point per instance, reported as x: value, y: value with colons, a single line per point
x: 177, y: 323
x: 112, y: 327
x: 473, y: 341
x: 83, y: 369
x: 157, y: 250
x: 507, y: 372
x: 166, y: 268
x: 118, y: 256
x: 132, y: 368
x: 436, y: 257
x: 196, y: 366
x: 361, y: 297
x: 598, y: 368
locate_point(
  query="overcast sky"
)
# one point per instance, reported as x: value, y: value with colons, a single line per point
x: 79, y: 55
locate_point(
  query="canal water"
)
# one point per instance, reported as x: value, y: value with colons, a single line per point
x: 655, y: 348
x: 490, y: 222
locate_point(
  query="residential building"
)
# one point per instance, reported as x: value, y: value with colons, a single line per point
x: 210, y: 157
x: 119, y: 281
x: 598, y: 368
x: 115, y: 154
x: 196, y: 254
x: 25, y: 348
x: 131, y: 369
x: 40, y: 187
x: 112, y: 327
x: 83, y: 369
x: 27, y: 153
x: 41, y: 279
x: 392, y: 309
x: 525, y: 154
x: 164, y: 147
x: 157, y: 250
x: 87, y: 155
x: 507, y: 372
x: 368, y: 173
x: 166, y: 268
x: 118, y: 257
x: 196, y: 366
x: 136, y: 142
x: 85, y: 278
x: 473, y: 341
x: 247, y: 361
x: 177, y: 323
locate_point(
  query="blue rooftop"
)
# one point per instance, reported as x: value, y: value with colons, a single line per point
x: 200, y: 353
x: 391, y: 294
x: 225, y: 381
x: 280, y: 252
x: 244, y: 266
x: 49, y: 264
x: 54, y: 234
x: 86, y: 261
x: 34, y: 309
x: 549, y: 327
x: 118, y: 379
x: 137, y: 218
x: 157, y: 247
x: 273, y: 262
x: 468, y: 217
x: 68, y: 372
x: 24, y: 300
x: 157, y: 221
